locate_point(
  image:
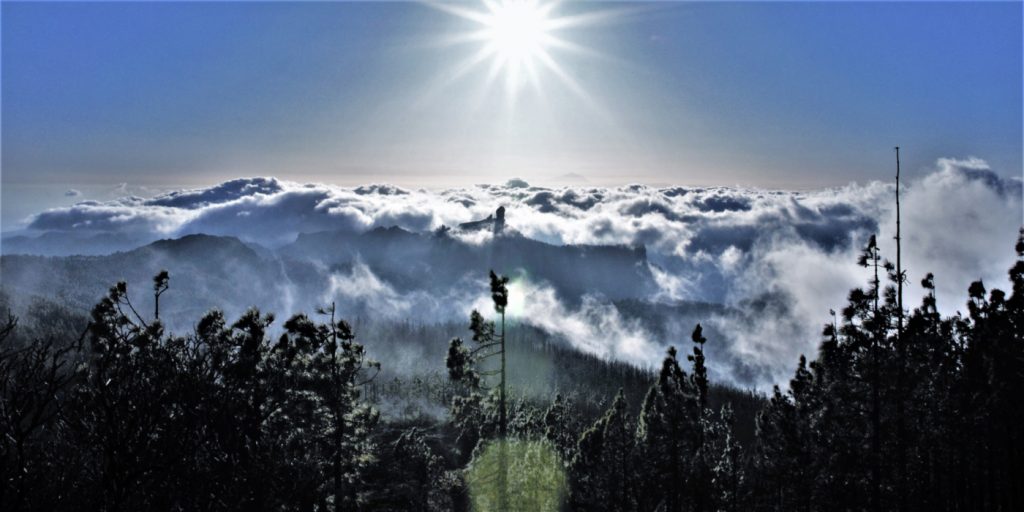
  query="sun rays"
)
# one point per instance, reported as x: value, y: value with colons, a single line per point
x: 520, y: 43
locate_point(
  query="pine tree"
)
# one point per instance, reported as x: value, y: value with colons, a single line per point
x: 32, y: 378
x: 700, y: 477
x: 463, y: 366
x: 870, y: 259
x: 559, y: 427
x: 899, y: 276
x: 667, y: 435
x: 603, y: 470
x: 334, y: 367
x: 728, y: 475
x: 415, y: 476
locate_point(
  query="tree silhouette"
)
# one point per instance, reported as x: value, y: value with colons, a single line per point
x: 667, y: 437
x: 331, y: 365
x: 161, y: 282
x: 463, y: 365
x: 603, y: 471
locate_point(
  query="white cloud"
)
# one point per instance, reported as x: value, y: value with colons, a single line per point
x: 360, y: 291
x: 363, y: 286
x: 786, y: 257
x: 959, y: 223
x: 595, y: 326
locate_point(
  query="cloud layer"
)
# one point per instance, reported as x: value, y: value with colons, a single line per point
x: 782, y: 258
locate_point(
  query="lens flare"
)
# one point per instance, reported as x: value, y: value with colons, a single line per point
x: 516, y: 299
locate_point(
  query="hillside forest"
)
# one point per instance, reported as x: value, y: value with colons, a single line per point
x: 900, y: 409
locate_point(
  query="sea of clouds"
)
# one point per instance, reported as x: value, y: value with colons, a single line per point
x: 783, y: 258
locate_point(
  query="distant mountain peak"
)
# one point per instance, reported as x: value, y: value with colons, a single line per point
x: 197, y: 238
x: 200, y: 244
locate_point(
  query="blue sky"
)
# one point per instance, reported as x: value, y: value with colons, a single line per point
x: 791, y: 95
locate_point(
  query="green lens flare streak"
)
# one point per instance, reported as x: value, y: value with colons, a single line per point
x: 536, y: 477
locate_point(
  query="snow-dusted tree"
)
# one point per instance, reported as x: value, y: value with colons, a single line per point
x: 604, y: 469
x: 466, y: 365
x: 668, y: 430
x: 327, y: 361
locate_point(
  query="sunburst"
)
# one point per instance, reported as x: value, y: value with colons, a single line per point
x: 519, y: 40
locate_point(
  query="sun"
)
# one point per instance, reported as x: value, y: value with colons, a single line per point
x: 516, y: 32
x: 517, y: 40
